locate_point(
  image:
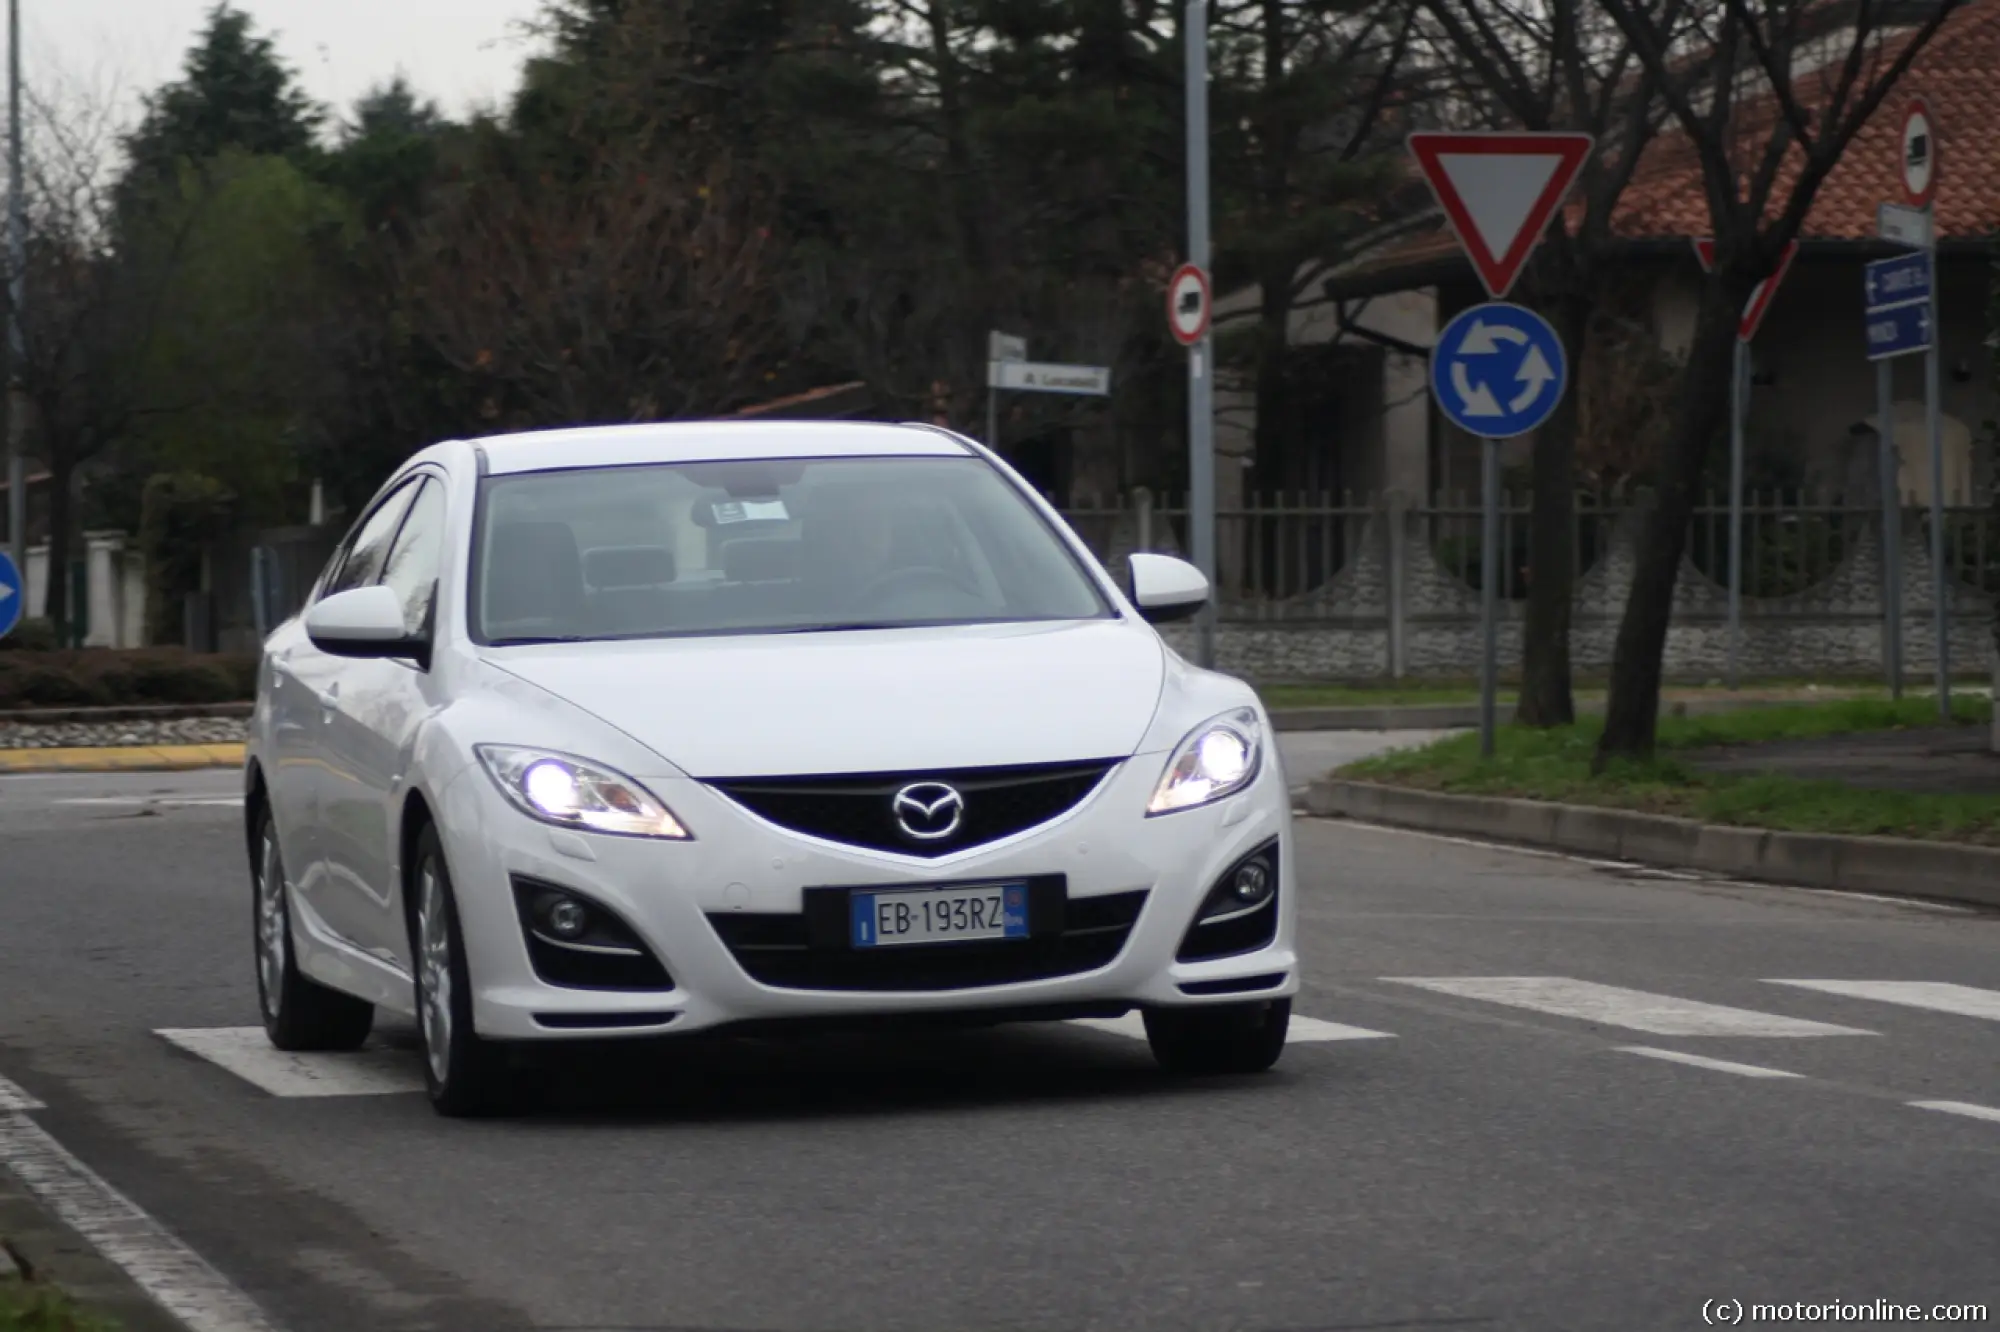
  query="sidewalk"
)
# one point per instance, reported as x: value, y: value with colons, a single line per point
x: 121, y: 758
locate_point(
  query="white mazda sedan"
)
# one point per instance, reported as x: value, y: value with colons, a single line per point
x: 646, y: 730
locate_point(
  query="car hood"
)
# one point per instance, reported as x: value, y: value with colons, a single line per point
x: 894, y: 700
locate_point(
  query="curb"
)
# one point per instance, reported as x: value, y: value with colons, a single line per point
x: 130, y: 713
x: 115, y: 758
x: 1464, y: 716
x: 1888, y: 866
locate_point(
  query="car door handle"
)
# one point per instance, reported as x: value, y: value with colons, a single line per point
x: 329, y: 701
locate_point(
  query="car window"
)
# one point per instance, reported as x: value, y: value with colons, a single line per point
x: 766, y: 546
x: 368, y: 546
x: 412, y: 566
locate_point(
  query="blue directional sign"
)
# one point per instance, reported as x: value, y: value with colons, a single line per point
x: 1899, y: 330
x: 1897, y: 281
x: 13, y: 597
x: 1498, y: 370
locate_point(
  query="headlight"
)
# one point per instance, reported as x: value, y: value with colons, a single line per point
x: 570, y: 793
x: 1218, y: 758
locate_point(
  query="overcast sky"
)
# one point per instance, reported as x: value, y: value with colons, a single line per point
x: 459, y: 52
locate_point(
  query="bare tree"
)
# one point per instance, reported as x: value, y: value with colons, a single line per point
x: 1560, y: 65
x: 1767, y: 97
x: 635, y: 296
x: 89, y: 311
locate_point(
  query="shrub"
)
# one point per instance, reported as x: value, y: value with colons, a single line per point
x: 104, y: 676
x: 31, y: 635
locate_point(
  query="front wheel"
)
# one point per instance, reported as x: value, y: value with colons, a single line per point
x: 466, y: 1075
x: 1219, y: 1039
x: 299, y: 1013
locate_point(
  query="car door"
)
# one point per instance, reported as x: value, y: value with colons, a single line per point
x: 313, y: 682
x: 369, y: 739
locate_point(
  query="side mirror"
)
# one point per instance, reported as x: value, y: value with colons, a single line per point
x: 1164, y: 588
x: 364, y: 622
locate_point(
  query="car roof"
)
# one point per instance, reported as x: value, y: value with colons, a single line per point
x: 712, y: 441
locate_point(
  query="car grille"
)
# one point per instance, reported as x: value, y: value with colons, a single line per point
x: 810, y: 950
x: 859, y: 810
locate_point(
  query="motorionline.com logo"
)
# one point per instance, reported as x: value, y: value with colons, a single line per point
x: 1834, y: 1311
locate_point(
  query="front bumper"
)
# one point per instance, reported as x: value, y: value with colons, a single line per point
x: 739, y: 864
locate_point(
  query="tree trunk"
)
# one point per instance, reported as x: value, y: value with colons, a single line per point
x: 1701, y: 412
x: 61, y: 517
x: 1546, y: 698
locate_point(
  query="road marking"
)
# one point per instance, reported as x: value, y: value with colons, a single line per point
x: 1966, y: 1108
x: 247, y: 1052
x: 1657, y: 1014
x: 1939, y: 996
x: 1301, y: 1029
x: 1699, y: 1061
x: 226, y: 802
x: 177, y: 1277
x: 14, y: 1100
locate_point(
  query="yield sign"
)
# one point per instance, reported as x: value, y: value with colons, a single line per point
x: 1760, y: 295
x: 1499, y: 190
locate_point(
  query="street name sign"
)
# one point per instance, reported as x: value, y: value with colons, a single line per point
x: 1904, y: 225
x: 1897, y: 293
x: 1042, y: 377
x: 1005, y: 347
x: 1499, y: 190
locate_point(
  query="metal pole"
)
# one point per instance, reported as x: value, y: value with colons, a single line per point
x: 1201, y: 368
x: 1739, y: 393
x: 992, y: 417
x: 1892, y: 526
x: 17, y: 246
x: 1489, y: 593
x: 1940, y: 611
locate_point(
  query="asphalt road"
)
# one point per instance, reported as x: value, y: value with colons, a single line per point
x: 1495, y: 1155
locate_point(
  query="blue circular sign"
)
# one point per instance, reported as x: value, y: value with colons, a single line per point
x: 1498, y: 370
x: 13, y: 597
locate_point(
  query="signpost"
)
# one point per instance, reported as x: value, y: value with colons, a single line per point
x: 1497, y: 370
x: 1752, y: 319
x: 13, y: 596
x: 1000, y: 348
x: 1900, y: 295
x: 1201, y: 370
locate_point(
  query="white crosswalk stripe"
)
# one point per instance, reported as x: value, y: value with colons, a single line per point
x: 1637, y: 1010
x: 1939, y: 996
x: 1302, y: 1029
x: 1966, y: 1108
x: 246, y: 1052
x: 1702, y: 1061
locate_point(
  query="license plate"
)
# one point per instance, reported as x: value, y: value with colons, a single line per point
x: 939, y: 915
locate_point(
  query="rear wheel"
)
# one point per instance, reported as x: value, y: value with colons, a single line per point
x: 1223, y: 1038
x: 299, y: 1013
x: 467, y: 1076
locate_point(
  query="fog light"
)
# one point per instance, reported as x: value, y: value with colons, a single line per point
x: 567, y: 919
x: 1251, y: 883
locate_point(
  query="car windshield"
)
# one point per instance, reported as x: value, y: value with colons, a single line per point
x: 769, y: 546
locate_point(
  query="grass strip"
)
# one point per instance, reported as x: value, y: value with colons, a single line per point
x: 1555, y: 765
x: 33, y: 1306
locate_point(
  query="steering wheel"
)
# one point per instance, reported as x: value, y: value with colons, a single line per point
x: 911, y: 576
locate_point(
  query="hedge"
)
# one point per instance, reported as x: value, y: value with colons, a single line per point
x: 108, y: 676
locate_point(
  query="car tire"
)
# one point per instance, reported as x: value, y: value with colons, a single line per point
x: 299, y: 1013
x: 466, y: 1075
x: 1219, y: 1039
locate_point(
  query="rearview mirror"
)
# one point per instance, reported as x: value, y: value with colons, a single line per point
x: 1164, y: 588
x: 364, y: 622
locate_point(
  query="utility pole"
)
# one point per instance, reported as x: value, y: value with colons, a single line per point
x: 17, y: 247
x: 1201, y: 358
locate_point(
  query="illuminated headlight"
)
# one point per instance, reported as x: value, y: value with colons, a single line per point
x: 1218, y: 758
x: 571, y: 793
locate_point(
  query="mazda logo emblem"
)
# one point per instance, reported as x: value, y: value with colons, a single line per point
x: 928, y: 811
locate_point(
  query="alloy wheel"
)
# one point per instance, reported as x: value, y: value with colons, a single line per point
x: 434, y: 972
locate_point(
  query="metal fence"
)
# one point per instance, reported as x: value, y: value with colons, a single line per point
x: 1308, y: 556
